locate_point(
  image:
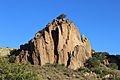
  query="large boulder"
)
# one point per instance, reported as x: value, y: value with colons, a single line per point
x: 59, y: 42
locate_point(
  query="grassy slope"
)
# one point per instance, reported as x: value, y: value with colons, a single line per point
x: 94, y: 70
x: 13, y: 71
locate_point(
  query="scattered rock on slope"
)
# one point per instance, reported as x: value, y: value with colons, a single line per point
x: 59, y: 42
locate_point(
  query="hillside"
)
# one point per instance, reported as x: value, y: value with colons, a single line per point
x: 95, y: 69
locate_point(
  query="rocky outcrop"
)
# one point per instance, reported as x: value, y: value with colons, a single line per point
x: 6, y: 51
x: 86, y: 44
x: 59, y: 42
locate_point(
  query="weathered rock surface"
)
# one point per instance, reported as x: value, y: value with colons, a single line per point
x: 59, y: 42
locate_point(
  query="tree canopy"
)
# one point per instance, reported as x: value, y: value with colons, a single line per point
x: 61, y: 16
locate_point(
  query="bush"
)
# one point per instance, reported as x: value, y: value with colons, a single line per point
x: 12, y: 71
x: 112, y: 65
x: 101, y: 71
x: 12, y: 59
x: 93, y: 62
x: 84, y: 69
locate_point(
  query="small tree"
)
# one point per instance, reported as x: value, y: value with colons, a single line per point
x: 61, y: 16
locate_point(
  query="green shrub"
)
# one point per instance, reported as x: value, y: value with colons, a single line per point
x: 12, y: 71
x: 84, y: 69
x: 112, y: 65
x: 96, y: 70
x: 93, y: 62
x: 101, y: 71
x: 12, y: 59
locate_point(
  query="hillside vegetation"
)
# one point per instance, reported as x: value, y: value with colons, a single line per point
x: 101, y: 66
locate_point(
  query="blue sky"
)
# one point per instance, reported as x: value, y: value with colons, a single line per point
x: 99, y: 20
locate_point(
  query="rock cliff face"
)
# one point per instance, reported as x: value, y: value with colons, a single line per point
x: 59, y: 42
